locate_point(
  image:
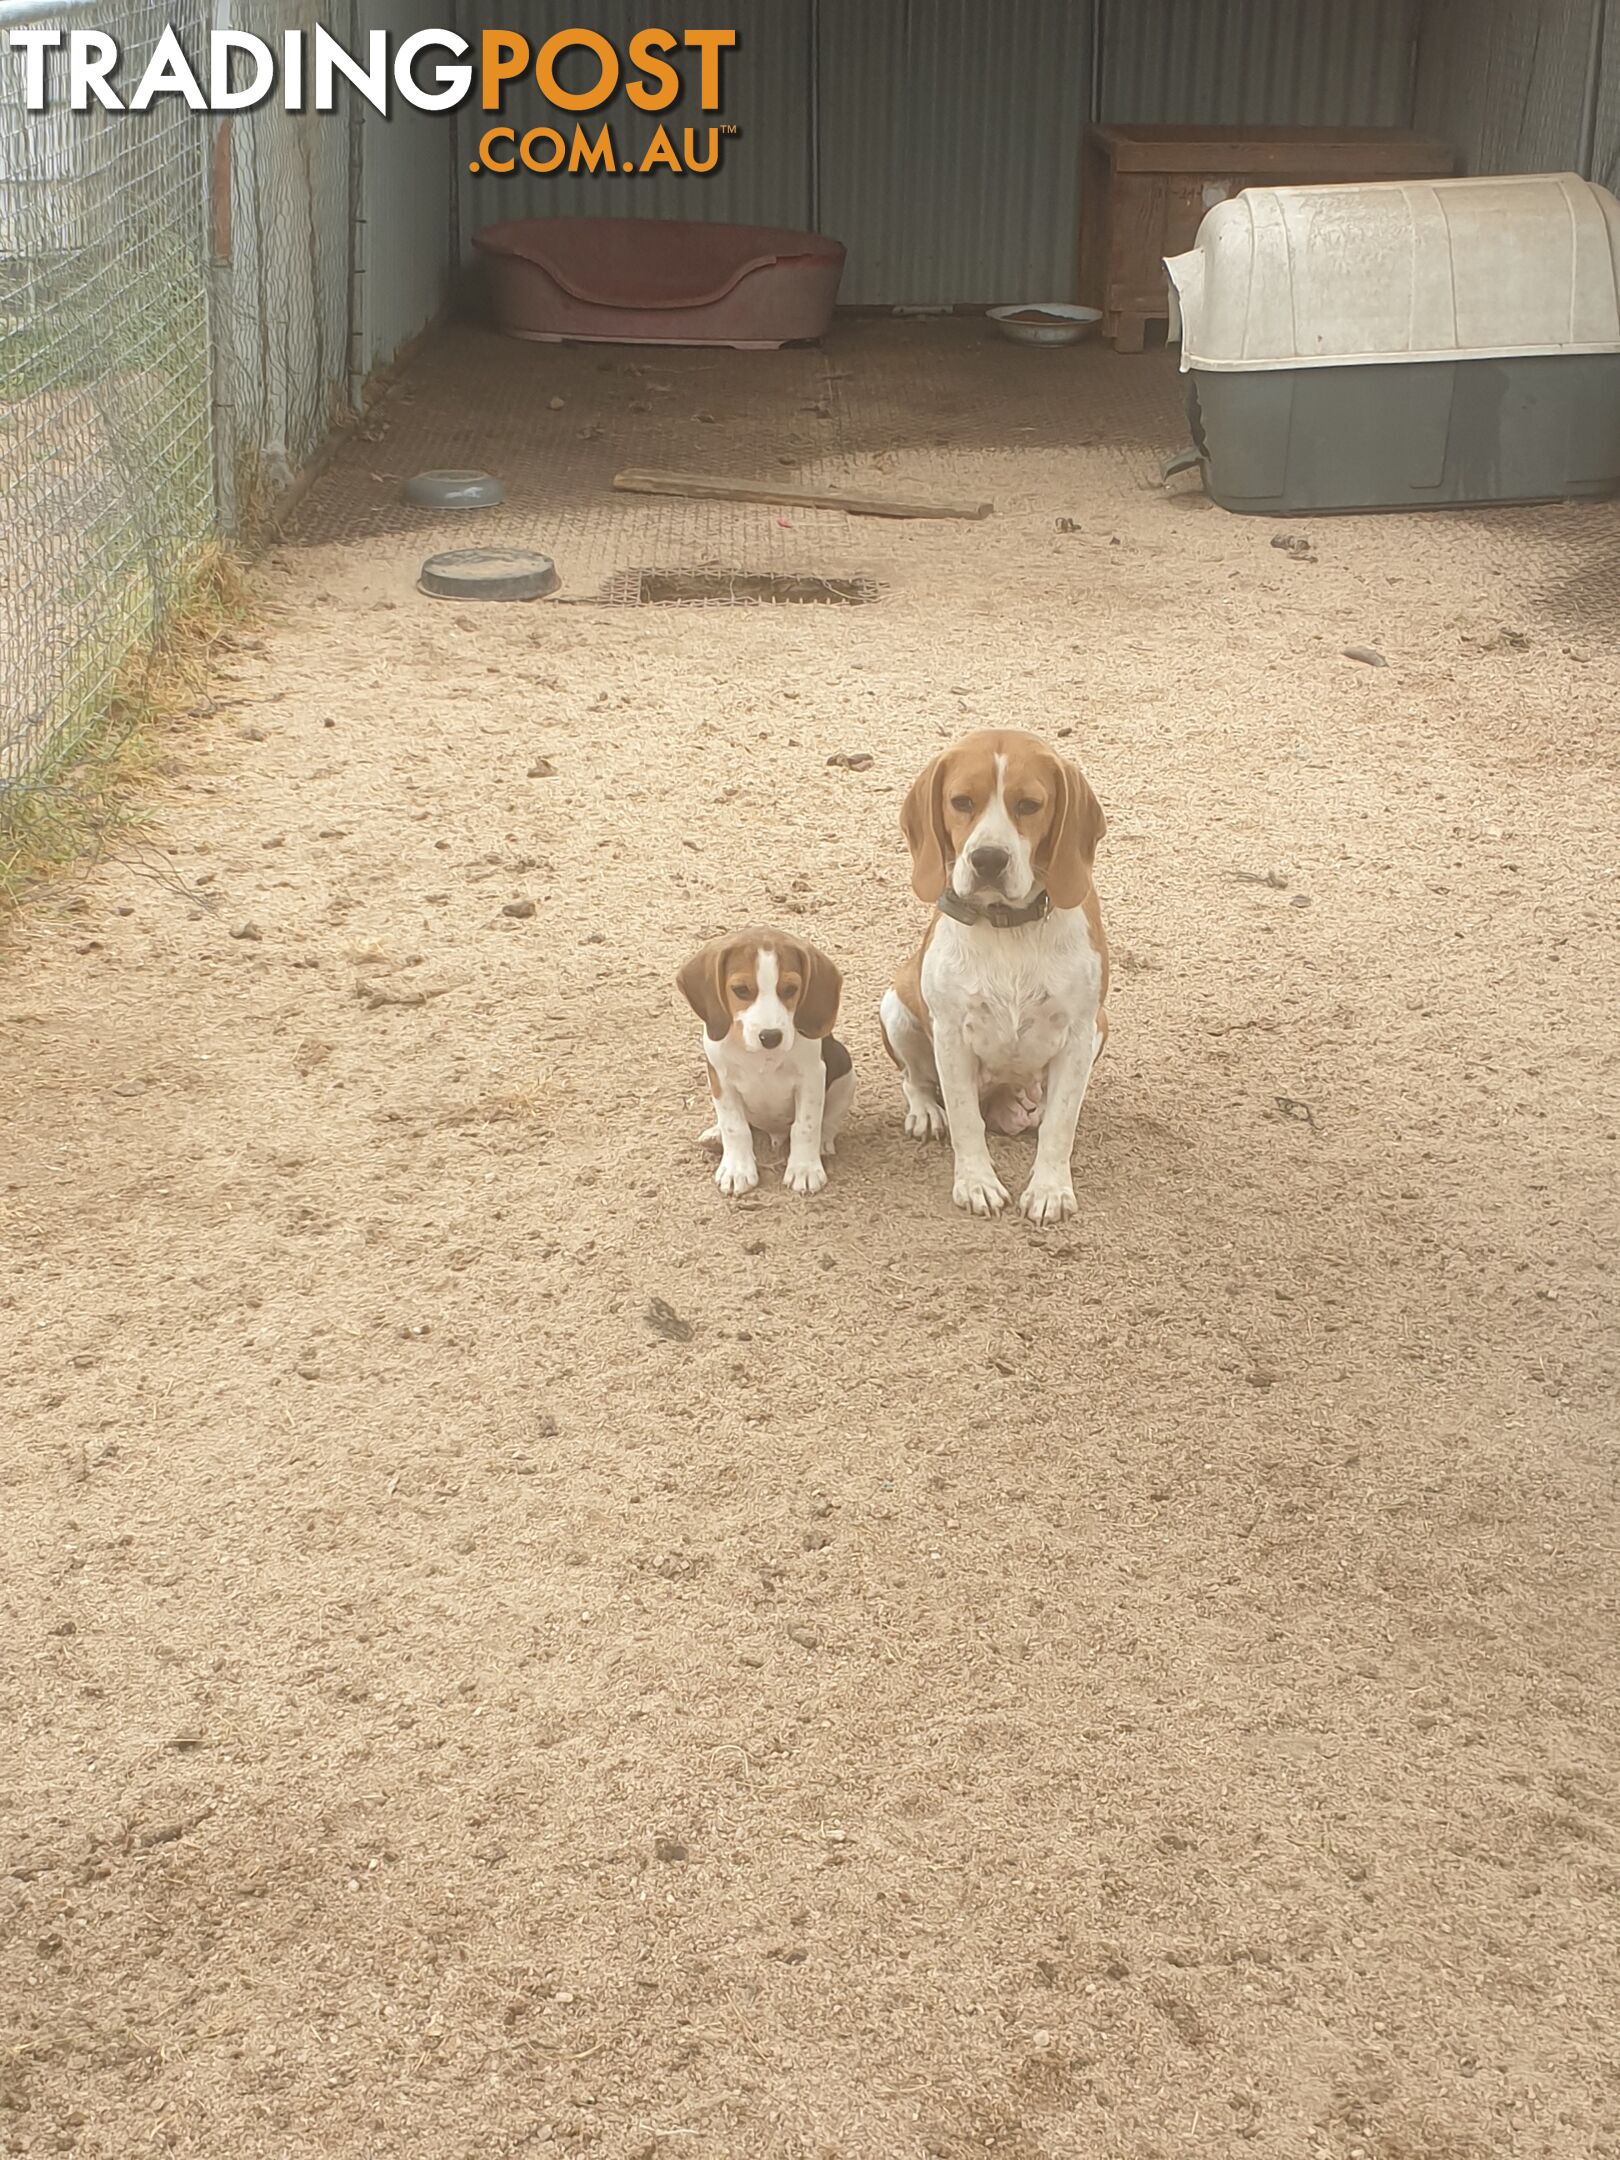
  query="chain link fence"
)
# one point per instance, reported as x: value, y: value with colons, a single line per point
x: 177, y: 340
x: 106, y: 462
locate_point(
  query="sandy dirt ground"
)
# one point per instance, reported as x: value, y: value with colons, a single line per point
x: 505, y: 1651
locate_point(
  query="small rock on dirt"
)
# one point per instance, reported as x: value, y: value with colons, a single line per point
x: 519, y: 910
x: 851, y: 760
x: 130, y: 1087
x: 669, y: 1848
x: 806, y: 1638
x: 555, y: 404
x: 249, y: 932
x: 542, y: 769
x: 1368, y: 655
x: 1292, y: 544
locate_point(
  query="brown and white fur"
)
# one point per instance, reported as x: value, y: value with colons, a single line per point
x: 1002, y: 1026
x: 768, y: 1003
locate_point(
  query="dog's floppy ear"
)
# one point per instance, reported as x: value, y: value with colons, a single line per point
x: 818, y: 1000
x: 702, y: 982
x: 1072, y: 837
x: 922, y: 820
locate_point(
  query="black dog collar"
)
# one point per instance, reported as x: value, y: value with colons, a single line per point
x: 995, y: 913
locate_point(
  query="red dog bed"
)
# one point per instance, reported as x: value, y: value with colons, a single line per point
x: 657, y: 281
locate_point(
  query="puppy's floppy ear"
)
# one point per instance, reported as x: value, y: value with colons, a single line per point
x: 1072, y: 837
x: 818, y: 1000
x: 922, y: 820
x: 702, y: 982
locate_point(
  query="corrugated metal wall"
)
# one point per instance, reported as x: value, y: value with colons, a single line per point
x: 285, y: 372
x: 1505, y: 80
x: 1345, y: 63
x: 764, y: 175
x: 950, y: 146
x: 1605, y: 166
x: 405, y: 238
x: 949, y: 136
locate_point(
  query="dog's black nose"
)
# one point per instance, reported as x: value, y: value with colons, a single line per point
x: 989, y: 862
x: 769, y: 1038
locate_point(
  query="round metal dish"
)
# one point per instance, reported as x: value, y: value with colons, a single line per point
x: 489, y: 574
x: 1045, y: 322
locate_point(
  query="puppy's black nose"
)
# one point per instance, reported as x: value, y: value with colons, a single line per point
x: 989, y: 862
x: 769, y: 1038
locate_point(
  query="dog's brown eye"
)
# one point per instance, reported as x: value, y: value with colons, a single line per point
x: 743, y: 993
x: 1026, y: 808
x: 788, y: 991
x: 964, y: 803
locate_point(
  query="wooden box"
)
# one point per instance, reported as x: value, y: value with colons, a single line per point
x: 1144, y: 192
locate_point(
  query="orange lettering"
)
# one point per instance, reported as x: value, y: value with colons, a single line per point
x: 526, y: 149
x: 587, y: 156
x: 660, y: 153
x: 693, y: 164
x: 497, y: 70
x: 710, y: 44
x: 643, y: 46
x: 545, y: 70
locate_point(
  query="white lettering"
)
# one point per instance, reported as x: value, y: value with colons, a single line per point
x: 168, y: 74
x: 33, y: 45
x: 331, y: 60
x: 92, y: 56
x: 454, y: 82
x: 223, y: 96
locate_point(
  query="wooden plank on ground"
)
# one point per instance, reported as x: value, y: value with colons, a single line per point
x: 713, y: 489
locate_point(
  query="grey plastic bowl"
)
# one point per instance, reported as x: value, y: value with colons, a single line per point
x: 452, y: 490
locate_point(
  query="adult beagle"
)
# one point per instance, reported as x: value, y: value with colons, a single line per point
x: 767, y: 1003
x: 998, y: 1018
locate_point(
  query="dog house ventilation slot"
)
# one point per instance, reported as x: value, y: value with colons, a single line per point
x: 708, y: 587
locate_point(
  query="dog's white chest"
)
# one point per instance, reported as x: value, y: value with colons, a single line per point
x: 765, y: 1082
x: 1014, y: 997
x: 1014, y: 1037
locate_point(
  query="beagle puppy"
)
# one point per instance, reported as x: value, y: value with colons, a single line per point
x: 767, y: 1003
x: 998, y: 1018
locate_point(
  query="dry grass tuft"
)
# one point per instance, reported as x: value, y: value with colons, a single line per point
x: 82, y: 798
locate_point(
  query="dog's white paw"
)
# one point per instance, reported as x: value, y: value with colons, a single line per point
x: 925, y: 1118
x: 1049, y: 1200
x: 981, y: 1192
x: 734, y: 1177
x: 804, y: 1177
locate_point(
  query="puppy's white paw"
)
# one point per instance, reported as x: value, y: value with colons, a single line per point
x: 925, y: 1118
x: 1013, y: 1110
x: 981, y: 1192
x: 1049, y: 1200
x: 804, y: 1177
x: 734, y: 1177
